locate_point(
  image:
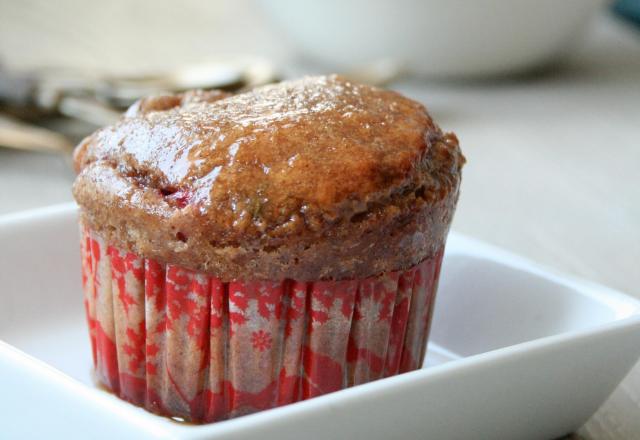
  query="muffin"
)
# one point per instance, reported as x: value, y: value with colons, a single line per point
x: 242, y: 252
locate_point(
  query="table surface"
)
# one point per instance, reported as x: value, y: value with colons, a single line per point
x: 553, y: 160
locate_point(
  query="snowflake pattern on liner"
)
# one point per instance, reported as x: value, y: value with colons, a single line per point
x: 260, y: 340
x: 183, y: 344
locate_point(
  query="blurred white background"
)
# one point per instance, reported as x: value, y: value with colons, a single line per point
x: 129, y: 36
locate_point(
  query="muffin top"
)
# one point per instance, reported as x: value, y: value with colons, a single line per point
x: 294, y: 180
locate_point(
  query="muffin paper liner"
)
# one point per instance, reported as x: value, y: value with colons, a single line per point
x: 188, y: 346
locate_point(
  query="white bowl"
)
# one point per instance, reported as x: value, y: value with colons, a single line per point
x: 433, y: 37
x: 517, y: 352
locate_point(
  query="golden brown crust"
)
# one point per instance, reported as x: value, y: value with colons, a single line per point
x: 312, y: 179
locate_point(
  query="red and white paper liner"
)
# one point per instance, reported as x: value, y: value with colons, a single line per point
x: 183, y: 344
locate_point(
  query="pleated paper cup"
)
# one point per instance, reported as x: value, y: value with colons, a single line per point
x: 186, y: 345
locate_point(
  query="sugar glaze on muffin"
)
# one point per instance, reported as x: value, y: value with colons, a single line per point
x: 314, y: 179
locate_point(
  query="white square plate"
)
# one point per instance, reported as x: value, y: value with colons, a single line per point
x: 517, y: 351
